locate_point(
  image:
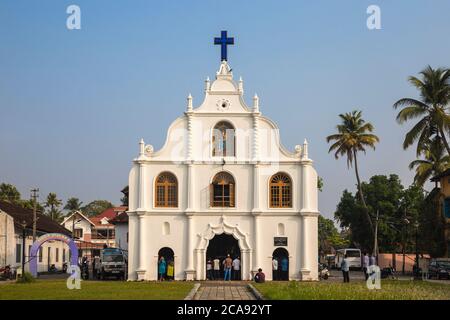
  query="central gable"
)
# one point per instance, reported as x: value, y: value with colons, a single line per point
x: 223, y: 95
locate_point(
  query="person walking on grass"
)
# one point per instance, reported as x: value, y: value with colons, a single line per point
x: 162, y: 268
x: 366, y: 263
x: 345, y: 267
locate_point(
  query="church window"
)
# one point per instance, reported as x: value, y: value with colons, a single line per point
x: 222, y: 190
x: 223, y: 140
x: 166, y: 190
x: 280, y: 191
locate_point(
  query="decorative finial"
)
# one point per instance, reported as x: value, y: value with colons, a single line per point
x: 241, y: 85
x: 305, y: 149
x: 255, y: 103
x: 141, y: 147
x: 298, y: 150
x: 148, y: 150
x: 189, y: 102
x: 207, y: 84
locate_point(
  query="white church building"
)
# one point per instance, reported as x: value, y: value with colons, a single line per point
x: 223, y: 184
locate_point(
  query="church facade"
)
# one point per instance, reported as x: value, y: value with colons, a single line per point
x: 223, y: 184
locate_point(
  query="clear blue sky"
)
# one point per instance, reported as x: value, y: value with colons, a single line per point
x: 74, y: 104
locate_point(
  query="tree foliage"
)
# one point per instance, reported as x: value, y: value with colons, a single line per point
x: 387, y: 196
x: 432, y: 226
x: 73, y: 204
x: 53, y: 205
x: 96, y: 207
x: 354, y: 135
x: 431, y: 110
x: 329, y: 237
x: 9, y: 193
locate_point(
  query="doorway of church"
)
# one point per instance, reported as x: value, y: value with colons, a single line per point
x: 166, y: 263
x: 281, y: 255
x: 219, y: 248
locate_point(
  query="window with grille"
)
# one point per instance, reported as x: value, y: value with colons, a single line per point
x: 166, y: 190
x: 222, y: 190
x: 223, y: 140
x: 280, y: 191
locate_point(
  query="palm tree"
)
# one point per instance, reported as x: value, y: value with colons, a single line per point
x: 435, y: 162
x: 353, y: 136
x: 432, y: 109
x: 53, y: 203
x: 73, y: 204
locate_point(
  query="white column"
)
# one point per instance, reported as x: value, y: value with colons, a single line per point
x: 190, y: 272
x: 303, y: 245
x: 133, y: 262
x: 142, y: 188
x: 190, y: 186
x: 141, y: 272
x: 308, y: 213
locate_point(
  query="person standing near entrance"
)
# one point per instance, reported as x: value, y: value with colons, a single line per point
x: 345, y: 267
x: 216, y: 263
x: 170, y: 270
x: 275, y: 268
x: 227, y: 264
x: 285, y: 268
x: 209, y: 270
x: 237, y: 269
x: 162, y: 268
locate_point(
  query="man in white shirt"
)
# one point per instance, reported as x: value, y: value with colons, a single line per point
x: 216, y: 263
x: 345, y: 267
x: 366, y: 263
x: 237, y: 269
x: 275, y: 269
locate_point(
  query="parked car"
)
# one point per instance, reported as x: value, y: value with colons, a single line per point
x: 439, y: 269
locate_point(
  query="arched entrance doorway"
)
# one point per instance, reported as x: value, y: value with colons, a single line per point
x: 282, y: 256
x: 219, y: 248
x: 169, y: 259
x: 52, y: 237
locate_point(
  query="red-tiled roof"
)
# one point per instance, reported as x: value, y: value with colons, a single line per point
x: 120, y: 218
x: 43, y: 222
x: 109, y: 214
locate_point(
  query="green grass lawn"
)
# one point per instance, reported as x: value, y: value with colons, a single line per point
x: 96, y: 290
x: 390, y: 290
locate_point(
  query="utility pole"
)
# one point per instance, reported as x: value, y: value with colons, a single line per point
x: 24, y: 225
x: 34, y: 197
x: 375, y: 245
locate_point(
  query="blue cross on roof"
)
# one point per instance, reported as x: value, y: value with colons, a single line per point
x: 223, y: 41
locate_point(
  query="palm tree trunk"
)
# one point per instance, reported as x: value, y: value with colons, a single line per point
x: 361, y: 195
x: 444, y: 139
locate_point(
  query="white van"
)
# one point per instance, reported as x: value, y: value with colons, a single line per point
x: 353, y: 257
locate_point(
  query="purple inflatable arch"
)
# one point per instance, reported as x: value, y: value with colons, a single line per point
x: 52, y: 237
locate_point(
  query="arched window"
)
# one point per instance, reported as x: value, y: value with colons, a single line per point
x: 280, y: 191
x: 223, y: 140
x: 222, y: 190
x: 166, y: 190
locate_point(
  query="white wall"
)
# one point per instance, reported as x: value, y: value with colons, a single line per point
x: 7, y: 242
x: 121, y: 239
